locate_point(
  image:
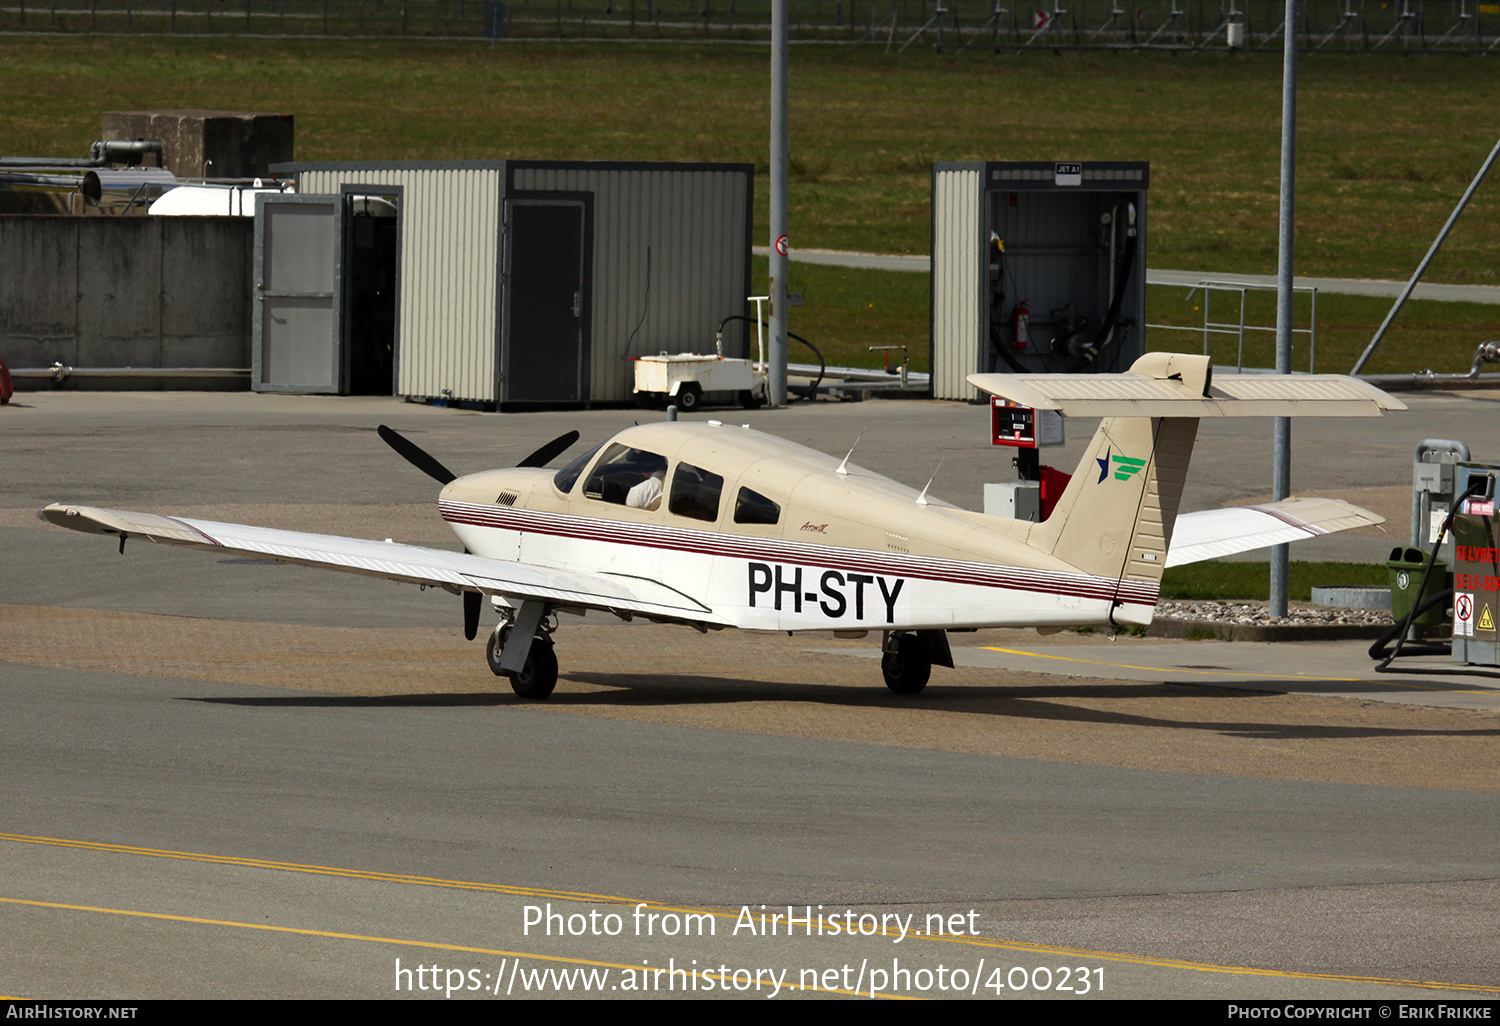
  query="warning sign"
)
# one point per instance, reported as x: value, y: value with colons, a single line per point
x: 1486, y: 621
x: 1463, y: 616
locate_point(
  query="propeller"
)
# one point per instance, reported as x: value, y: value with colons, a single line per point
x: 415, y: 455
x: 429, y: 465
x: 471, y: 614
x: 547, y: 453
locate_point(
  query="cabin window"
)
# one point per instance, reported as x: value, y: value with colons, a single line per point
x: 754, y: 508
x: 695, y: 493
x: 565, y: 478
x: 628, y: 477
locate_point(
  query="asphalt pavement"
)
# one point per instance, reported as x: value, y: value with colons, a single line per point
x: 234, y: 779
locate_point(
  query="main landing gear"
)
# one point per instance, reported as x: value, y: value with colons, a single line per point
x: 907, y: 663
x: 909, y: 657
x: 538, y: 676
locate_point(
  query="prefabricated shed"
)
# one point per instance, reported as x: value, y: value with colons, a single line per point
x: 507, y: 282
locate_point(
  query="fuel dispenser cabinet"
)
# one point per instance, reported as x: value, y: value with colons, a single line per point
x: 1476, y: 567
x: 1037, y: 267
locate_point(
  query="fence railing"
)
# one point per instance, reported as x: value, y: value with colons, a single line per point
x: 1237, y: 328
x: 1358, y: 25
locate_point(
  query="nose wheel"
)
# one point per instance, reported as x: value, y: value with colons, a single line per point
x: 538, y: 676
x: 907, y: 663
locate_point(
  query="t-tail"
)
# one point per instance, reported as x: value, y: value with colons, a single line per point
x: 1117, y: 516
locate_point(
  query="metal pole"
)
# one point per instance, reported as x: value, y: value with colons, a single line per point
x: 1422, y: 267
x: 1281, y: 448
x: 776, y: 372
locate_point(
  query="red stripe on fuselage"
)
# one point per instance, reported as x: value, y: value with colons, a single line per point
x: 952, y: 571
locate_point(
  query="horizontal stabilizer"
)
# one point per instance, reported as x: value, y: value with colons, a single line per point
x: 1213, y: 533
x: 1181, y: 385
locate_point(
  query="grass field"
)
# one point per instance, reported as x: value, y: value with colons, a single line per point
x: 1251, y: 581
x: 1386, y: 144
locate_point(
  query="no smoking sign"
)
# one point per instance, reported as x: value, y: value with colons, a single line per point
x: 1463, y: 615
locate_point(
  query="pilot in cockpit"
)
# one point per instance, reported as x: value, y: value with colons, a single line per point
x: 647, y: 494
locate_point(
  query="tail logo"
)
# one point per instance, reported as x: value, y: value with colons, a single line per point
x: 1126, y: 467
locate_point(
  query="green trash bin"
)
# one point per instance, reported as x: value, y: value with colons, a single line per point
x: 1406, y: 565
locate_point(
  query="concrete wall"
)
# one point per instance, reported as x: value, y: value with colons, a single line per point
x: 95, y: 292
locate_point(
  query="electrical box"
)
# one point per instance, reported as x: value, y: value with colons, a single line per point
x: 1037, y: 267
x: 1014, y: 500
x: 1434, y: 489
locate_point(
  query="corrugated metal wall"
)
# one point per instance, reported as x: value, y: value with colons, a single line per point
x: 957, y: 262
x: 446, y: 337
x: 671, y: 244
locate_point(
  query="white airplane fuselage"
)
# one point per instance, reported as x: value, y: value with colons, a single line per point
x: 849, y: 552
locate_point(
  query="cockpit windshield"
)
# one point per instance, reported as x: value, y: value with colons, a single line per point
x: 567, y: 476
x: 628, y: 477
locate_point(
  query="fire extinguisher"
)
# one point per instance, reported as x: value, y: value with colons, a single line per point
x: 1021, y: 325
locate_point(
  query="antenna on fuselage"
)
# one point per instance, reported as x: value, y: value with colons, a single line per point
x: 843, y: 468
x: 922, y: 499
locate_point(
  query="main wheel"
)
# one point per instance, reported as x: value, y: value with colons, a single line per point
x: 689, y: 398
x: 539, y: 676
x: 907, y: 664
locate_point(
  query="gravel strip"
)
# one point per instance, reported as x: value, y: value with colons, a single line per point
x: 1256, y: 613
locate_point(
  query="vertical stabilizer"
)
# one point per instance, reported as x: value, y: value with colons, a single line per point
x: 1116, y: 516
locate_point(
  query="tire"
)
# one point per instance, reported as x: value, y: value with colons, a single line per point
x: 750, y: 401
x: 907, y: 665
x: 539, y: 676
x: 689, y: 398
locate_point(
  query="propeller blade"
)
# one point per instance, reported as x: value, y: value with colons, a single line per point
x: 471, y: 614
x: 546, y: 453
x: 416, y: 455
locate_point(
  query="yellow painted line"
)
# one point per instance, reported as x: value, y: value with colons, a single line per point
x: 1209, y: 967
x: 413, y: 944
x: 358, y: 874
x: 1235, y: 673
x: 1165, y: 669
x: 425, y: 881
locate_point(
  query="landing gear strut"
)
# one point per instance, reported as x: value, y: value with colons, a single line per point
x: 538, y: 677
x: 907, y: 662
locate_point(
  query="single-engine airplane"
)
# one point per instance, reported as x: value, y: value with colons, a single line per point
x: 717, y: 526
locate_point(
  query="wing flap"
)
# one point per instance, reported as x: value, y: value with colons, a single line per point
x: 412, y: 564
x: 1213, y: 533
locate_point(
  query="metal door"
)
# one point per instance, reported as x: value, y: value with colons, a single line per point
x: 545, y: 338
x: 297, y: 344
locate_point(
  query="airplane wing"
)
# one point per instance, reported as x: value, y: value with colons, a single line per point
x: 1223, y: 532
x: 413, y: 564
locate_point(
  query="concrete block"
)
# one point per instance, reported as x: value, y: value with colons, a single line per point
x: 209, y: 143
x: 1352, y: 598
